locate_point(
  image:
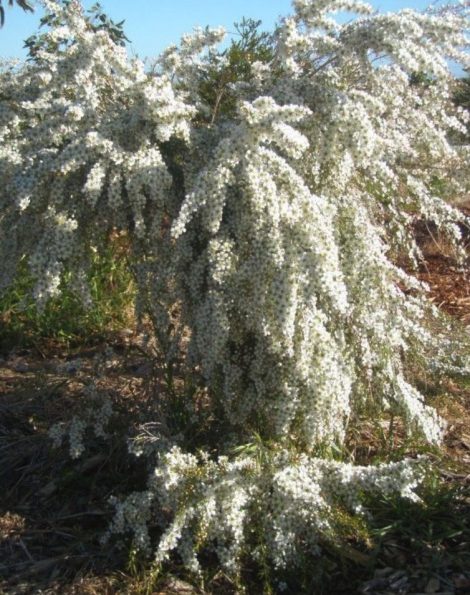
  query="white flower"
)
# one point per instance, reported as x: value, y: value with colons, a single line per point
x: 262, y: 246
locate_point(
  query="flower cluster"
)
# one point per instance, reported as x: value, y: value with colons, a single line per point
x: 95, y: 418
x: 222, y: 505
x: 81, y: 131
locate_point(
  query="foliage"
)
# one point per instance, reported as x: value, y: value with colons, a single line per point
x: 462, y: 98
x: 261, y: 227
x: 95, y: 19
x: 24, y: 4
x: 66, y: 318
x: 231, y: 68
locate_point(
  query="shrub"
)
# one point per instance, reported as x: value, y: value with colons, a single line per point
x: 262, y: 235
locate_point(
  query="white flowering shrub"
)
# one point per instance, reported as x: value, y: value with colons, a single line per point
x: 263, y: 240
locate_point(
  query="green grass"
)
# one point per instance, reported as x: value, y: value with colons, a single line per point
x: 65, y: 318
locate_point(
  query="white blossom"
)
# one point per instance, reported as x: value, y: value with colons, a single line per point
x: 270, y: 232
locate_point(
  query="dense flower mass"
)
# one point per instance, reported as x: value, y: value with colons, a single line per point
x: 271, y: 231
x: 290, y: 501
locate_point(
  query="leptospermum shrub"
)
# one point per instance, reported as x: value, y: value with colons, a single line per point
x: 263, y: 244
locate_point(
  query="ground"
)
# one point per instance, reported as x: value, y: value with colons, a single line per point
x: 53, y: 509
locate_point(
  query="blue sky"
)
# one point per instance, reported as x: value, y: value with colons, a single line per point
x: 152, y: 25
